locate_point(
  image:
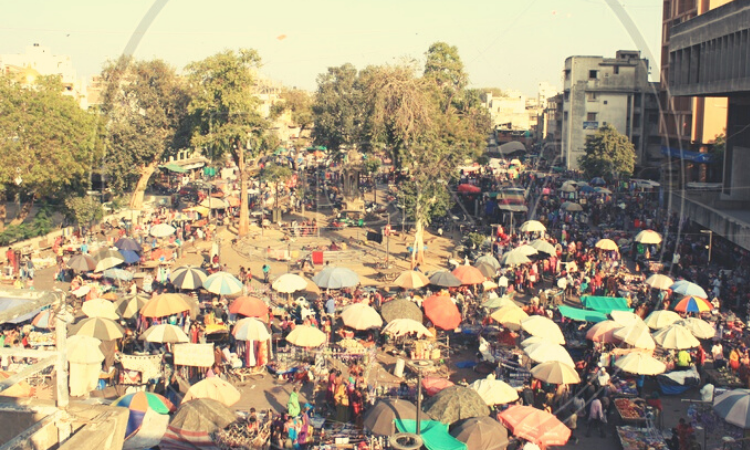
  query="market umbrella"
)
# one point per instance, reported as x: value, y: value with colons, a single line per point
x: 572, y: 207
x: 118, y: 274
x: 699, y: 328
x: 488, y: 285
x: 526, y: 250
x: 433, y: 385
x: 601, y: 190
x: 692, y: 304
x: 251, y: 329
x: 411, y: 279
x: 625, y: 318
x: 468, y: 275
x: 567, y: 188
x: 531, y: 226
x: 164, y: 333
x: 531, y: 341
x: 289, y: 283
x: 102, y: 329
x: 639, y: 363
x: 603, y: 332
x: 44, y: 319
x: 455, y: 403
x: 494, y: 392
x: 193, y: 423
x: 361, y: 316
x: 222, y: 283
x: 734, y: 407
x: 510, y: 317
x: 481, y: 433
x: 675, y: 337
x: 486, y: 269
x: 401, y: 309
x: 165, y: 305
x: 444, y: 278
x: 379, y: 419
x: 306, y: 336
x: 401, y: 327
x: 188, y: 277
x: 543, y: 246
x: 636, y: 334
x: 130, y: 305
x: 106, y: 259
x: 543, y: 327
x: 83, y: 350
x: 555, y: 372
x: 488, y: 259
x: 213, y: 388
x: 648, y: 237
x: 139, y: 403
x: 659, y: 281
x: 127, y: 243
x: 162, y: 230
x: 660, y: 319
x: 597, y: 181
x: 514, y: 258
x: 214, y: 203
x: 81, y: 263
x: 546, y: 351
x: 250, y: 307
x: 336, y: 278
x: 98, y: 307
x: 688, y: 288
x: 130, y: 256
x: 19, y: 389
x: 536, y: 426
x: 442, y: 312
x: 498, y: 302
x: 607, y: 244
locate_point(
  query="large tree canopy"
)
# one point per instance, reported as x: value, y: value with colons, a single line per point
x: 145, y: 104
x: 337, y: 108
x: 609, y: 154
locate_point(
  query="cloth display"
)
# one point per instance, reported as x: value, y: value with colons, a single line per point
x: 149, y: 366
x: 83, y: 378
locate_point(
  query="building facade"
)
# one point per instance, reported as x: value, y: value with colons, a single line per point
x: 600, y: 91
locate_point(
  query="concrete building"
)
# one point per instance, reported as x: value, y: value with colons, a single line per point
x: 39, y: 60
x: 598, y: 91
x: 507, y: 112
x: 550, y: 128
x: 709, y: 56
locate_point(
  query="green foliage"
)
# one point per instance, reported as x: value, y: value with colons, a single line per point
x: 718, y: 148
x: 273, y: 173
x: 477, y: 239
x: 496, y: 92
x: 84, y: 210
x: 41, y: 225
x: 372, y: 165
x: 424, y: 199
x: 145, y: 104
x: 299, y: 104
x: 609, y: 155
x: 337, y: 108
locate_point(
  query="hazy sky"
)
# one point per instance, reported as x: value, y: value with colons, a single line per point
x: 511, y: 44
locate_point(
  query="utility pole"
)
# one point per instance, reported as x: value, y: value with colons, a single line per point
x: 710, y: 242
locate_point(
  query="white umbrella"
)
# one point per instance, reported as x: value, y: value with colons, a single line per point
x: 162, y: 230
x: 99, y: 307
x: 401, y: 327
x: 251, y: 329
x: 531, y: 226
x: 214, y: 203
x: 289, y: 283
x: 514, y: 258
x: 543, y: 246
x: 637, y: 335
x: 527, y: 250
x: 361, y: 316
x: 675, y: 337
x: 555, y: 372
x: 734, y: 407
x: 494, y: 392
x: 648, y: 237
x: 543, y: 327
x: 639, y: 363
x: 625, y: 318
x: 660, y: 319
x: 659, y: 281
x: 164, y: 333
x: 532, y: 340
x: 547, y: 351
x: 699, y: 328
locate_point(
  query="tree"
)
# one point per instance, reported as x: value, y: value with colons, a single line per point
x: 146, y: 108
x: 48, y: 144
x: 609, y: 155
x: 337, y: 108
x: 299, y: 104
x: 445, y: 70
x: 372, y: 166
x: 716, y: 167
x: 226, y: 114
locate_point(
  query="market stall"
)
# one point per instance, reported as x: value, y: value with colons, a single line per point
x: 632, y: 438
x: 631, y: 410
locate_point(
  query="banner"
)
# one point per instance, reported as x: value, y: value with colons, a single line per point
x: 194, y: 355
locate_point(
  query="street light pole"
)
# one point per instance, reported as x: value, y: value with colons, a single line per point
x: 710, y: 242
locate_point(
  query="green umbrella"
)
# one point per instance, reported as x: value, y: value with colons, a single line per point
x: 455, y: 403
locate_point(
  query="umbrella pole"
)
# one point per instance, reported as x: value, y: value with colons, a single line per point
x: 419, y: 399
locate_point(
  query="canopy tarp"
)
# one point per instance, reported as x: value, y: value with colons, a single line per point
x: 605, y: 305
x: 581, y: 315
x: 174, y: 168
x: 434, y: 434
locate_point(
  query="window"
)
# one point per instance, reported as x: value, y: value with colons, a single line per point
x: 567, y: 74
x: 636, y: 141
x: 637, y: 119
x: 593, y: 74
x: 591, y: 117
x: 567, y: 95
x: 616, y: 69
x: 590, y: 96
x: 637, y: 101
x: 565, y: 117
x: 605, y: 102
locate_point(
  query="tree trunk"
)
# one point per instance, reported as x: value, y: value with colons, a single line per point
x: 417, y: 254
x: 243, y: 229
x: 136, y: 199
x: 23, y: 213
x: 3, y: 211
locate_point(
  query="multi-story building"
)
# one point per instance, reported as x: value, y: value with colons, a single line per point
x: 508, y: 112
x: 598, y: 91
x: 550, y: 121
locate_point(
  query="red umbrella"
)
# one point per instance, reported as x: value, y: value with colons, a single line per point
x: 433, y: 385
x: 468, y: 189
x: 469, y: 275
x: 249, y: 307
x: 442, y: 312
x: 534, y: 425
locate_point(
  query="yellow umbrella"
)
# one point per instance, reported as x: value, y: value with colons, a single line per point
x: 306, y: 336
x: 625, y: 318
x: 214, y: 388
x: 165, y: 305
x: 648, y: 237
x: 411, y: 279
x: 543, y: 327
x: 99, y: 307
x: 547, y: 351
x: 510, y: 316
x: 555, y: 372
x: 607, y: 244
x: 361, y: 316
x: 661, y: 319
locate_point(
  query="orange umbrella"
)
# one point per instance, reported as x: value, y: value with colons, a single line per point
x: 603, y: 332
x: 433, y: 385
x: 249, y: 307
x: 691, y: 303
x: 442, y: 312
x: 534, y: 425
x: 469, y: 275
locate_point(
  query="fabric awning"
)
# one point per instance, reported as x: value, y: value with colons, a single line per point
x: 605, y: 305
x: 581, y: 315
x: 696, y: 157
x: 174, y: 168
x: 434, y: 434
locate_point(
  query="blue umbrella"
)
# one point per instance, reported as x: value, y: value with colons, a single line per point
x: 118, y: 274
x: 686, y: 287
x: 336, y: 278
x: 7, y: 304
x: 131, y: 257
x: 223, y: 283
x: 598, y: 181
x: 587, y: 188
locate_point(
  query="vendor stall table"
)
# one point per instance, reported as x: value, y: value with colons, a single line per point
x: 723, y: 378
x: 625, y: 387
x: 632, y: 438
x: 631, y: 410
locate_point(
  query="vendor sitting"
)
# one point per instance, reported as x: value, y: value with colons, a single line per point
x: 684, y: 361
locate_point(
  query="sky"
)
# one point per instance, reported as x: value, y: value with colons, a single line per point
x: 509, y: 44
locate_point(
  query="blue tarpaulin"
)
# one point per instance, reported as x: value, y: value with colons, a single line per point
x: 581, y: 315
x: 696, y: 157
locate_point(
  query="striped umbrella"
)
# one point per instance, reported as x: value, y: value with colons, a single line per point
x: 106, y: 259
x: 81, y: 263
x: 100, y: 328
x: 44, y: 319
x: 685, y: 287
x: 251, y: 329
x: 129, y: 306
x: 223, y: 283
x: 188, y: 277
x: 139, y: 404
x: 165, y: 305
x: 692, y: 304
x: 127, y: 243
x: 164, y: 333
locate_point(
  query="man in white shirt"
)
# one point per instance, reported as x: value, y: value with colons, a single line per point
x: 596, y: 418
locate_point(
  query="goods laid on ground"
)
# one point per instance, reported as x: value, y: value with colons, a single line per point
x: 632, y: 438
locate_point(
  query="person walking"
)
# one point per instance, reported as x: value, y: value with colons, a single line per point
x: 266, y: 272
x: 597, y: 418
